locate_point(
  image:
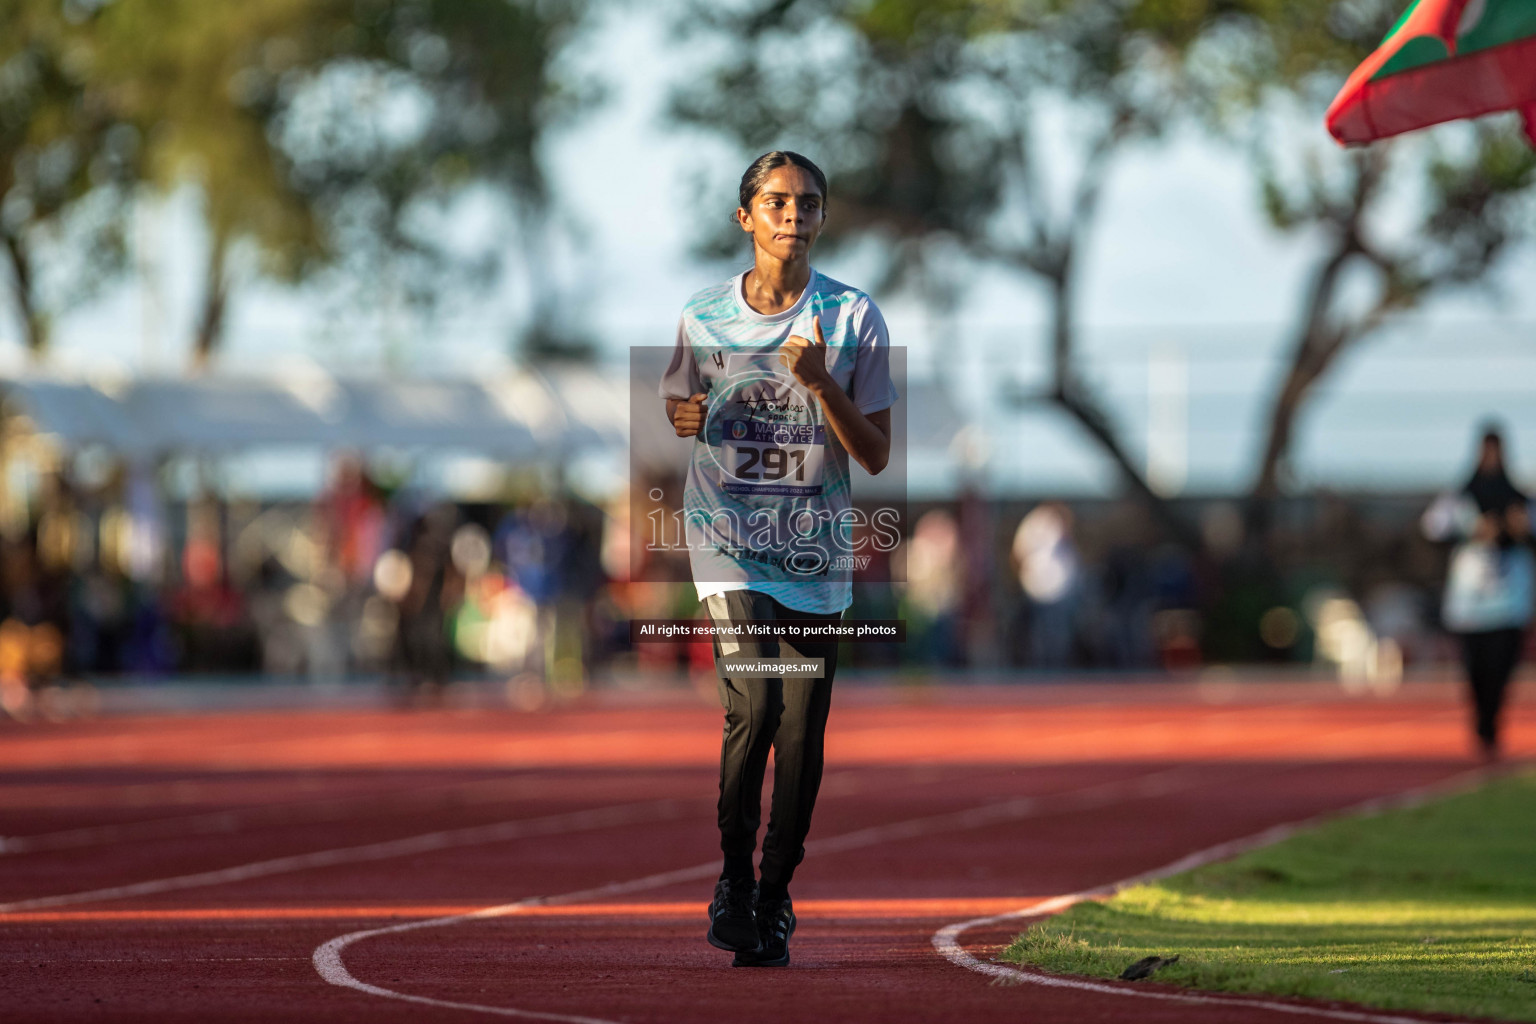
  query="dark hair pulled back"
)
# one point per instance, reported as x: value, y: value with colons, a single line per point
x: 752, y: 181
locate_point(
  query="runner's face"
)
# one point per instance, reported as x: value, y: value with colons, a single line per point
x: 786, y: 215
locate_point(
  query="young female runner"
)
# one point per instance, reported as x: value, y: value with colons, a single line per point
x: 781, y: 374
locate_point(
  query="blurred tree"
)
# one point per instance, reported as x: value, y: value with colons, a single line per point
x: 1476, y: 203
x: 200, y: 76
x: 1396, y: 224
x: 958, y: 132
x: 323, y: 132
x: 461, y: 95
x: 68, y: 157
x: 966, y: 132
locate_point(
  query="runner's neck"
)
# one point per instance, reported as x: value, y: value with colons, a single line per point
x: 772, y: 286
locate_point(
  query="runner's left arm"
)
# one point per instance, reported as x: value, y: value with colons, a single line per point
x: 865, y: 436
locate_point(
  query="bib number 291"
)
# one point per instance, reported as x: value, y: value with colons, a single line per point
x: 763, y: 458
x: 771, y: 463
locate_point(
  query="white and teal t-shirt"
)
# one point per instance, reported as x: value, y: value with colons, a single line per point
x: 767, y: 503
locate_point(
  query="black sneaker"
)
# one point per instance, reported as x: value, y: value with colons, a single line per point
x: 732, y: 924
x: 775, y: 924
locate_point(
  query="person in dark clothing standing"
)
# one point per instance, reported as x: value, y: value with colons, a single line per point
x: 1491, y: 585
x: 422, y: 656
x: 1490, y: 487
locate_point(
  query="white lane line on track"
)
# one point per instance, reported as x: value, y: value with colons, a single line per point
x: 947, y: 939
x: 475, y: 835
x: 314, y: 810
x: 328, y: 956
x: 330, y: 966
x: 168, y: 960
x: 623, y: 814
x: 320, y: 810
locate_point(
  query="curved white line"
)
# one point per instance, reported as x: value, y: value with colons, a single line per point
x: 946, y: 941
x: 330, y: 965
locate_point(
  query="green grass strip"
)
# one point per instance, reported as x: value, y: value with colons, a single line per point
x: 1431, y: 909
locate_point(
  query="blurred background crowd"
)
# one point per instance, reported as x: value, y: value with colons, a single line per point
x: 376, y: 578
x: 318, y: 314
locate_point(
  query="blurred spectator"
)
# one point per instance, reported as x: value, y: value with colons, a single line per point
x: 533, y: 542
x: 1490, y: 486
x: 553, y: 551
x: 1051, y: 577
x: 1491, y: 584
x: 977, y: 634
x: 1128, y: 603
x: 429, y: 587
x: 351, y: 524
x: 208, y: 612
x: 1395, y: 612
x: 931, y: 603
x: 353, y: 521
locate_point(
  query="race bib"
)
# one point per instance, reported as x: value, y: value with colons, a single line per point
x: 771, y: 458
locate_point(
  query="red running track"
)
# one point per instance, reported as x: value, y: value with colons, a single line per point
x: 187, y: 868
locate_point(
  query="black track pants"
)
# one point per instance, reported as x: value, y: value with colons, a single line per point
x: 1490, y: 659
x: 788, y: 716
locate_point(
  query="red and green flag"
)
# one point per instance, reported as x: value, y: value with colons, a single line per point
x: 1443, y: 60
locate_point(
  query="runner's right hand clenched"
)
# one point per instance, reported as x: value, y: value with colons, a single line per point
x: 688, y: 417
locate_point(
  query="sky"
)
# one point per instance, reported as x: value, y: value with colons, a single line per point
x: 1187, y: 299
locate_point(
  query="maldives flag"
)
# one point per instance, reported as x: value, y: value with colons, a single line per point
x: 1443, y: 60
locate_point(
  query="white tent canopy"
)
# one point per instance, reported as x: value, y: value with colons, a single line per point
x: 551, y: 416
x: 523, y: 416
